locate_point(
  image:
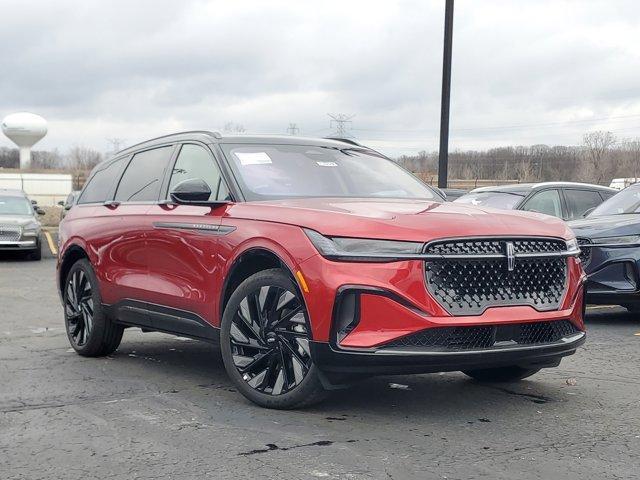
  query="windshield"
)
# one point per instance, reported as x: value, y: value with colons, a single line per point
x: 15, y: 206
x: 627, y: 201
x: 503, y: 200
x: 284, y: 171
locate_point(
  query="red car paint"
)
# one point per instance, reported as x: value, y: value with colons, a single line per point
x: 186, y: 270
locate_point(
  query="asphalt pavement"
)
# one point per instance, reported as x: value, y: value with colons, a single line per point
x: 163, y: 407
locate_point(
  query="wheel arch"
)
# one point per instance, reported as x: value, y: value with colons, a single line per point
x: 249, y: 262
x: 71, y: 255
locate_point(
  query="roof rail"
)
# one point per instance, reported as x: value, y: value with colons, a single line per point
x: 345, y: 140
x: 217, y: 135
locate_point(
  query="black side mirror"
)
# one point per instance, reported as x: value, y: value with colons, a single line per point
x: 40, y: 211
x: 193, y: 191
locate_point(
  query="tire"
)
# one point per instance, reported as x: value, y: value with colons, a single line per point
x: 37, y: 253
x: 502, y: 374
x: 90, y: 332
x: 264, y: 339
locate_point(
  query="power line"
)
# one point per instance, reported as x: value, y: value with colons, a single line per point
x: 342, y: 123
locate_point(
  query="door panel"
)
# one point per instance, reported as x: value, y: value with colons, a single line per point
x: 184, y: 268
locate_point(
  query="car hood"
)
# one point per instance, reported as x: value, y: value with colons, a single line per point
x: 414, y: 220
x: 16, y: 219
x: 607, y: 226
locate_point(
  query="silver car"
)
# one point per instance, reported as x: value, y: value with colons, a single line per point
x: 19, y: 226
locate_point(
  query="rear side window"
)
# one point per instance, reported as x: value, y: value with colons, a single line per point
x: 142, y: 178
x: 195, y: 161
x: 579, y: 201
x: 100, y: 185
x: 547, y: 201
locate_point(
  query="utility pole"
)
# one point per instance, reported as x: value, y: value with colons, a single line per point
x: 293, y: 129
x: 342, y: 123
x: 116, y: 145
x: 443, y: 161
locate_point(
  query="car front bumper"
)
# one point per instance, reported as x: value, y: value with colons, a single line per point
x: 405, y: 361
x: 613, y: 275
x: 29, y: 244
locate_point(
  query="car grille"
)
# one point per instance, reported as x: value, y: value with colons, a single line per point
x: 10, y: 233
x: 487, y: 336
x: 469, y: 286
x: 585, y: 254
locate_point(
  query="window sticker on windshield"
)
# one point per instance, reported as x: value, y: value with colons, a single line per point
x: 327, y: 164
x: 253, y: 158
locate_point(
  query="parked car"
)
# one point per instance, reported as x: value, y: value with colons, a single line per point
x: 313, y: 262
x: 452, y: 193
x: 610, y: 242
x: 566, y: 200
x: 69, y: 202
x: 19, y: 227
x: 622, y: 183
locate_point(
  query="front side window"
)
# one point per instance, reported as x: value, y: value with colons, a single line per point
x: 285, y: 171
x: 101, y: 183
x: 580, y: 201
x: 547, y: 202
x: 142, y: 179
x: 15, y: 206
x: 195, y: 161
x: 627, y: 201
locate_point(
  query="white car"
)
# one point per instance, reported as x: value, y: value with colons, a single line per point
x: 19, y: 226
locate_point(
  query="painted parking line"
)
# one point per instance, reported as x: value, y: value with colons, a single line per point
x: 52, y: 245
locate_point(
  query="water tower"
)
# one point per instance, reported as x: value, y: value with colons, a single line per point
x: 25, y: 130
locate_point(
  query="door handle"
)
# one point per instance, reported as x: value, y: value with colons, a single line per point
x: 111, y: 204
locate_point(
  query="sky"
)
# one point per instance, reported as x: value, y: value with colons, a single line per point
x: 524, y: 72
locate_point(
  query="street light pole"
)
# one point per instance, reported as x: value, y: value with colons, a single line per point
x: 443, y: 159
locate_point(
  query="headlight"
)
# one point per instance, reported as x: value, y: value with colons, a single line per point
x: 362, y: 249
x: 624, y: 240
x: 30, y: 229
x: 572, y: 245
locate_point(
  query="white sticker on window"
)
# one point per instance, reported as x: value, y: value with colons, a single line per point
x: 327, y: 164
x: 253, y: 158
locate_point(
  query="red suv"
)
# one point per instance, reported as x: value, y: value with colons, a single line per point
x: 313, y: 262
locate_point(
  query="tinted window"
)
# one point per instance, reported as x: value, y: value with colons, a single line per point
x: 579, y: 201
x: 196, y: 162
x: 283, y: 171
x: 99, y: 187
x: 547, y: 201
x: 627, y: 201
x: 143, y: 176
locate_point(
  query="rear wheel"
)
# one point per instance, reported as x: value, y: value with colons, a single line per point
x: 265, y: 343
x: 502, y: 374
x: 90, y: 332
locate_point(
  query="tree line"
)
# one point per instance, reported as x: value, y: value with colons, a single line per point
x: 599, y: 158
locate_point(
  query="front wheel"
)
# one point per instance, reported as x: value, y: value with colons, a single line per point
x: 502, y: 374
x: 264, y: 340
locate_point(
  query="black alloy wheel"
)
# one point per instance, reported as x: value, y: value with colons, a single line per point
x: 265, y: 342
x: 89, y: 329
x: 78, y: 306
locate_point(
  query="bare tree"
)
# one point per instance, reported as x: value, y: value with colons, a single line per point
x: 596, y: 147
x: 46, y: 159
x: 231, y: 127
x: 82, y: 158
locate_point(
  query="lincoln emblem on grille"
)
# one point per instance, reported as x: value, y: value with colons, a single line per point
x: 511, y: 256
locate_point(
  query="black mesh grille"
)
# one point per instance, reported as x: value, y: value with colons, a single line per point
x: 469, y: 287
x: 585, y: 254
x: 487, y: 336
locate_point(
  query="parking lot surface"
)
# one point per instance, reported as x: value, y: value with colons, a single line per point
x: 163, y: 407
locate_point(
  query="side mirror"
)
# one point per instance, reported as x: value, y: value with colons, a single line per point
x: 193, y: 191
x: 34, y: 202
x: 61, y: 203
x: 40, y: 211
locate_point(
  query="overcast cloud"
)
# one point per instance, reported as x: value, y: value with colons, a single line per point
x: 546, y: 70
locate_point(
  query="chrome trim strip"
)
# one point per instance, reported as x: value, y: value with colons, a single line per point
x: 436, y: 257
x: 198, y: 227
